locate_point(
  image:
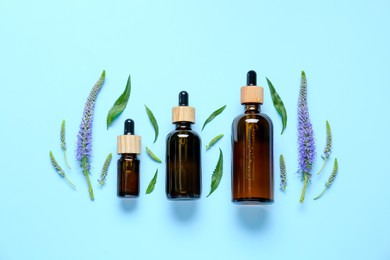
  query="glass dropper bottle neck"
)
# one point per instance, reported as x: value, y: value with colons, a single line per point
x: 129, y: 156
x: 251, y: 108
x: 183, y: 125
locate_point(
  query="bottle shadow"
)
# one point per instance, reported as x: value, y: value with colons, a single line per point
x: 128, y: 205
x: 253, y: 218
x: 184, y: 210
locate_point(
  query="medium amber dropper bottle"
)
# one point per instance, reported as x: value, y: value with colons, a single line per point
x: 129, y: 145
x: 252, y: 145
x: 183, y: 156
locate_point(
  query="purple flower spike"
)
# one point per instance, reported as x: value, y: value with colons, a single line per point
x: 306, y: 143
x: 84, y: 137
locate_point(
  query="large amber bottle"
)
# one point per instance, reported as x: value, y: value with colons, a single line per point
x: 183, y: 154
x: 252, y: 149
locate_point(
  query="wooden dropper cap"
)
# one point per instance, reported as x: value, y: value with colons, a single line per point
x: 252, y: 93
x: 183, y: 112
x: 129, y: 143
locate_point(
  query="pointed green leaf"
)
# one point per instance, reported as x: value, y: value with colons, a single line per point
x: 213, y: 115
x: 217, y: 174
x: 154, y: 123
x: 119, y: 105
x: 278, y: 104
x: 214, y: 141
x: 152, y: 183
x: 152, y: 155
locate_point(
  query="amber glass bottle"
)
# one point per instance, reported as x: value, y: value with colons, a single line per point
x: 129, y: 145
x: 183, y: 156
x: 252, y: 145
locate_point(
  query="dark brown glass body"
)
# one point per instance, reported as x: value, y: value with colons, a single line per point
x: 128, y: 176
x: 183, y: 163
x: 252, y: 158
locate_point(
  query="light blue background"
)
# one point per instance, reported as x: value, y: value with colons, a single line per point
x: 52, y: 52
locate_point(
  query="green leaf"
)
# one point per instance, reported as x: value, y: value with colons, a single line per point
x: 153, y: 121
x: 217, y: 174
x: 152, y: 155
x: 119, y: 105
x: 152, y: 183
x: 213, y: 115
x: 278, y: 104
x: 213, y: 141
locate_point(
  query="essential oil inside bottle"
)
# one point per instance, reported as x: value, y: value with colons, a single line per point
x: 252, y: 149
x: 129, y: 145
x: 183, y: 154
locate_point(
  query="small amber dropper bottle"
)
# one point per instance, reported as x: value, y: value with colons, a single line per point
x: 252, y: 145
x: 183, y: 154
x: 129, y: 145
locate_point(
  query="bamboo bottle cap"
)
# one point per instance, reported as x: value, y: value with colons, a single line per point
x: 183, y: 112
x: 129, y: 143
x: 252, y: 93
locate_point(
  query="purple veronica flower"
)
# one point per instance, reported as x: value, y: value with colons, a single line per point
x: 84, y: 137
x: 305, y: 131
x: 306, y: 143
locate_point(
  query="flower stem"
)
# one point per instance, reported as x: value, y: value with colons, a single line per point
x: 66, y: 161
x: 70, y: 183
x: 90, y: 190
x: 305, y: 182
x: 323, y: 166
x: 86, y: 173
x: 320, y: 195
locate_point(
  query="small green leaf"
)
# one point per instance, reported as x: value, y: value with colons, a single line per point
x: 119, y: 105
x: 217, y: 174
x: 154, y: 123
x: 152, y: 155
x: 213, y: 141
x: 213, y: 115
x: 278, y: 104
x: 152, y: 183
